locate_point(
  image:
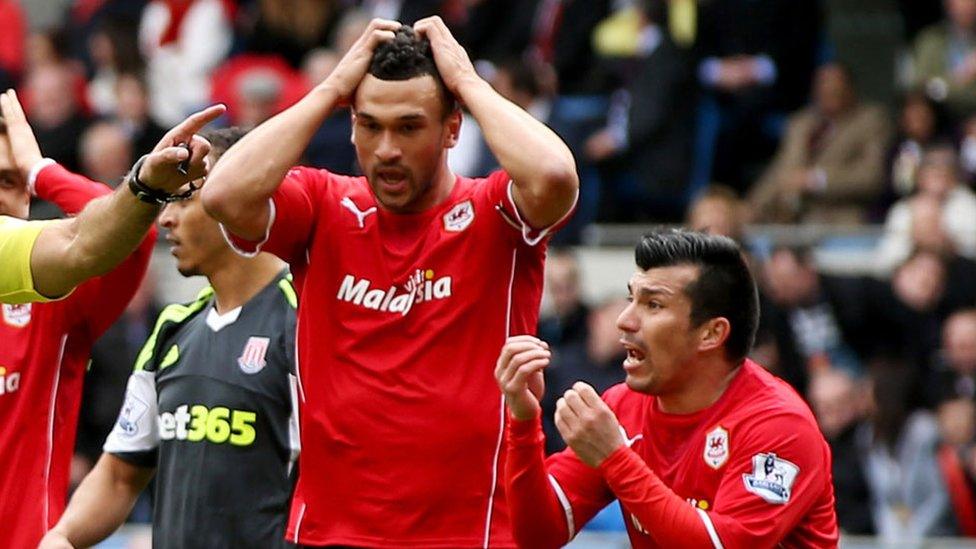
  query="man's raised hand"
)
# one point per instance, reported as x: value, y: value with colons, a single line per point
x: 519, y: 374
x: 180, y: 145
x: 588, y: 425
x: 23, y: 145
x: 452, y: 60
x: 347, y: 75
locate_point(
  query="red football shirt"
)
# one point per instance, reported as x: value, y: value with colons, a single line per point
x: 44, y: 351
x: 399, y: 325
x: 752, y: 470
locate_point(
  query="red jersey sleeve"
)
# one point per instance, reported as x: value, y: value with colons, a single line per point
x: 500, y: 189
x: 774, y: 477
x: 294, y: 209
x: 97, y: 303
x: 69, y: 191
x: 552, y: 498
x: 780, y: 469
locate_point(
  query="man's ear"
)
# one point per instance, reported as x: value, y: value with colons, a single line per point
x: 714, y: 333
x: 453, y: 123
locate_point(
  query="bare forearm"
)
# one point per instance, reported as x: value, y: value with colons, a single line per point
x: 106, y: 231
x: 102, y: 502
x: 538, y: 161
x: 248, y: 174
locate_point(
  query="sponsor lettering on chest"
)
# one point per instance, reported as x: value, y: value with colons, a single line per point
x: 422, y: 286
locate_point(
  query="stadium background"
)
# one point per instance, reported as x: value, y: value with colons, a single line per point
x: 715, y: 113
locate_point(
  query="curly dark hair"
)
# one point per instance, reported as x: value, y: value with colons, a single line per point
x: 409, y: 56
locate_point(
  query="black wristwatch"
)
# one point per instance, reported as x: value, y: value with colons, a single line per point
x: 150, y: 195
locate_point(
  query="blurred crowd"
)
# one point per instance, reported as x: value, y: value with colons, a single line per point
x: 714, y: 113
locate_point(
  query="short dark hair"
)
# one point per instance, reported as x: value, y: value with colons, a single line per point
x: 222, y: 139
x: 409, y: 56
x: 725, y: 286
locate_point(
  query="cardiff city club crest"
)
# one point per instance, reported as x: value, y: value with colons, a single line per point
x: 717, y: 447
x: 17, y: 316
x: 772, y: 478
x: 459, y: 217
x: 252, y: 358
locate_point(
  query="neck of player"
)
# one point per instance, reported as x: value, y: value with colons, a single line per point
x: 702, y: 389
x: 239, y: 279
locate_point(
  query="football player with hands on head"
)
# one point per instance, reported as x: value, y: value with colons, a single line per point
x: 701, y: 446
x: 401, y: 270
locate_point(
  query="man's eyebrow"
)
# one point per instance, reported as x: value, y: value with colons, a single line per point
x: 650, y: 291
x: 403, y: 118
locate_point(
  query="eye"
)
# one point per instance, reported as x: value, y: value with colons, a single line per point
x: 409, y: 128
x: 654, y: 304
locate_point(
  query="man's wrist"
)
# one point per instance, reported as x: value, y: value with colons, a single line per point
x: 468, y: 84
x: 34, y: 171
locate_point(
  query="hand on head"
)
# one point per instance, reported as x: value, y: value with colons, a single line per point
x: 354, y: 65
x: 588, y: 425
x: 519, y: 374
x: 452, y: 60
x: 161, y: 169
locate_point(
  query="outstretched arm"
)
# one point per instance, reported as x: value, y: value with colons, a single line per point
x: 248, y: 174
x: 100, y: 505
x: 108, y: 229
x: 541, y: 166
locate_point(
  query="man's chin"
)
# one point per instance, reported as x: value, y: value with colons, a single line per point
x: 188, y: 271
x: 640, y: 384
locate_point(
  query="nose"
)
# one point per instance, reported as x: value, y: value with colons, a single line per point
x: 387, y: 150
x: 627, y: 320
x: 167, y: 218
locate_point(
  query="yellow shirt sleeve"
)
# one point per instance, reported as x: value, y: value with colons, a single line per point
x: 17, y: 239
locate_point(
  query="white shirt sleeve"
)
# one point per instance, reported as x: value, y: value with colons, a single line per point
x: 136, y: 429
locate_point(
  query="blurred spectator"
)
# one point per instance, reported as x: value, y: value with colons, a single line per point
x: 255, y: 87
x: 55, y: 113
x: 910, y: 309
x: 830, y: 165
x: 944, y: 58
x: 566, y: 321
x: 561, y: 37
x: 113, y: 49
x: 955, y: 369
x: 920, y: 125
x: 940, y: 216
x: 519, y: 81
x: 758, y: 58
x: 957, y: 459
x: 908, y: 495
x: 816, y: 321
x: 183, y: 41
x: 12, y: 42
x: 718, y: 210
x: 259, y: 93
x: 330, y: 147
x: 105, y: 152
x: 132, y: 113
x: 597, y: 361
x: 288, y: 28
x: 837, y: 400
x: 650, y: 128
x: 111, y: 363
